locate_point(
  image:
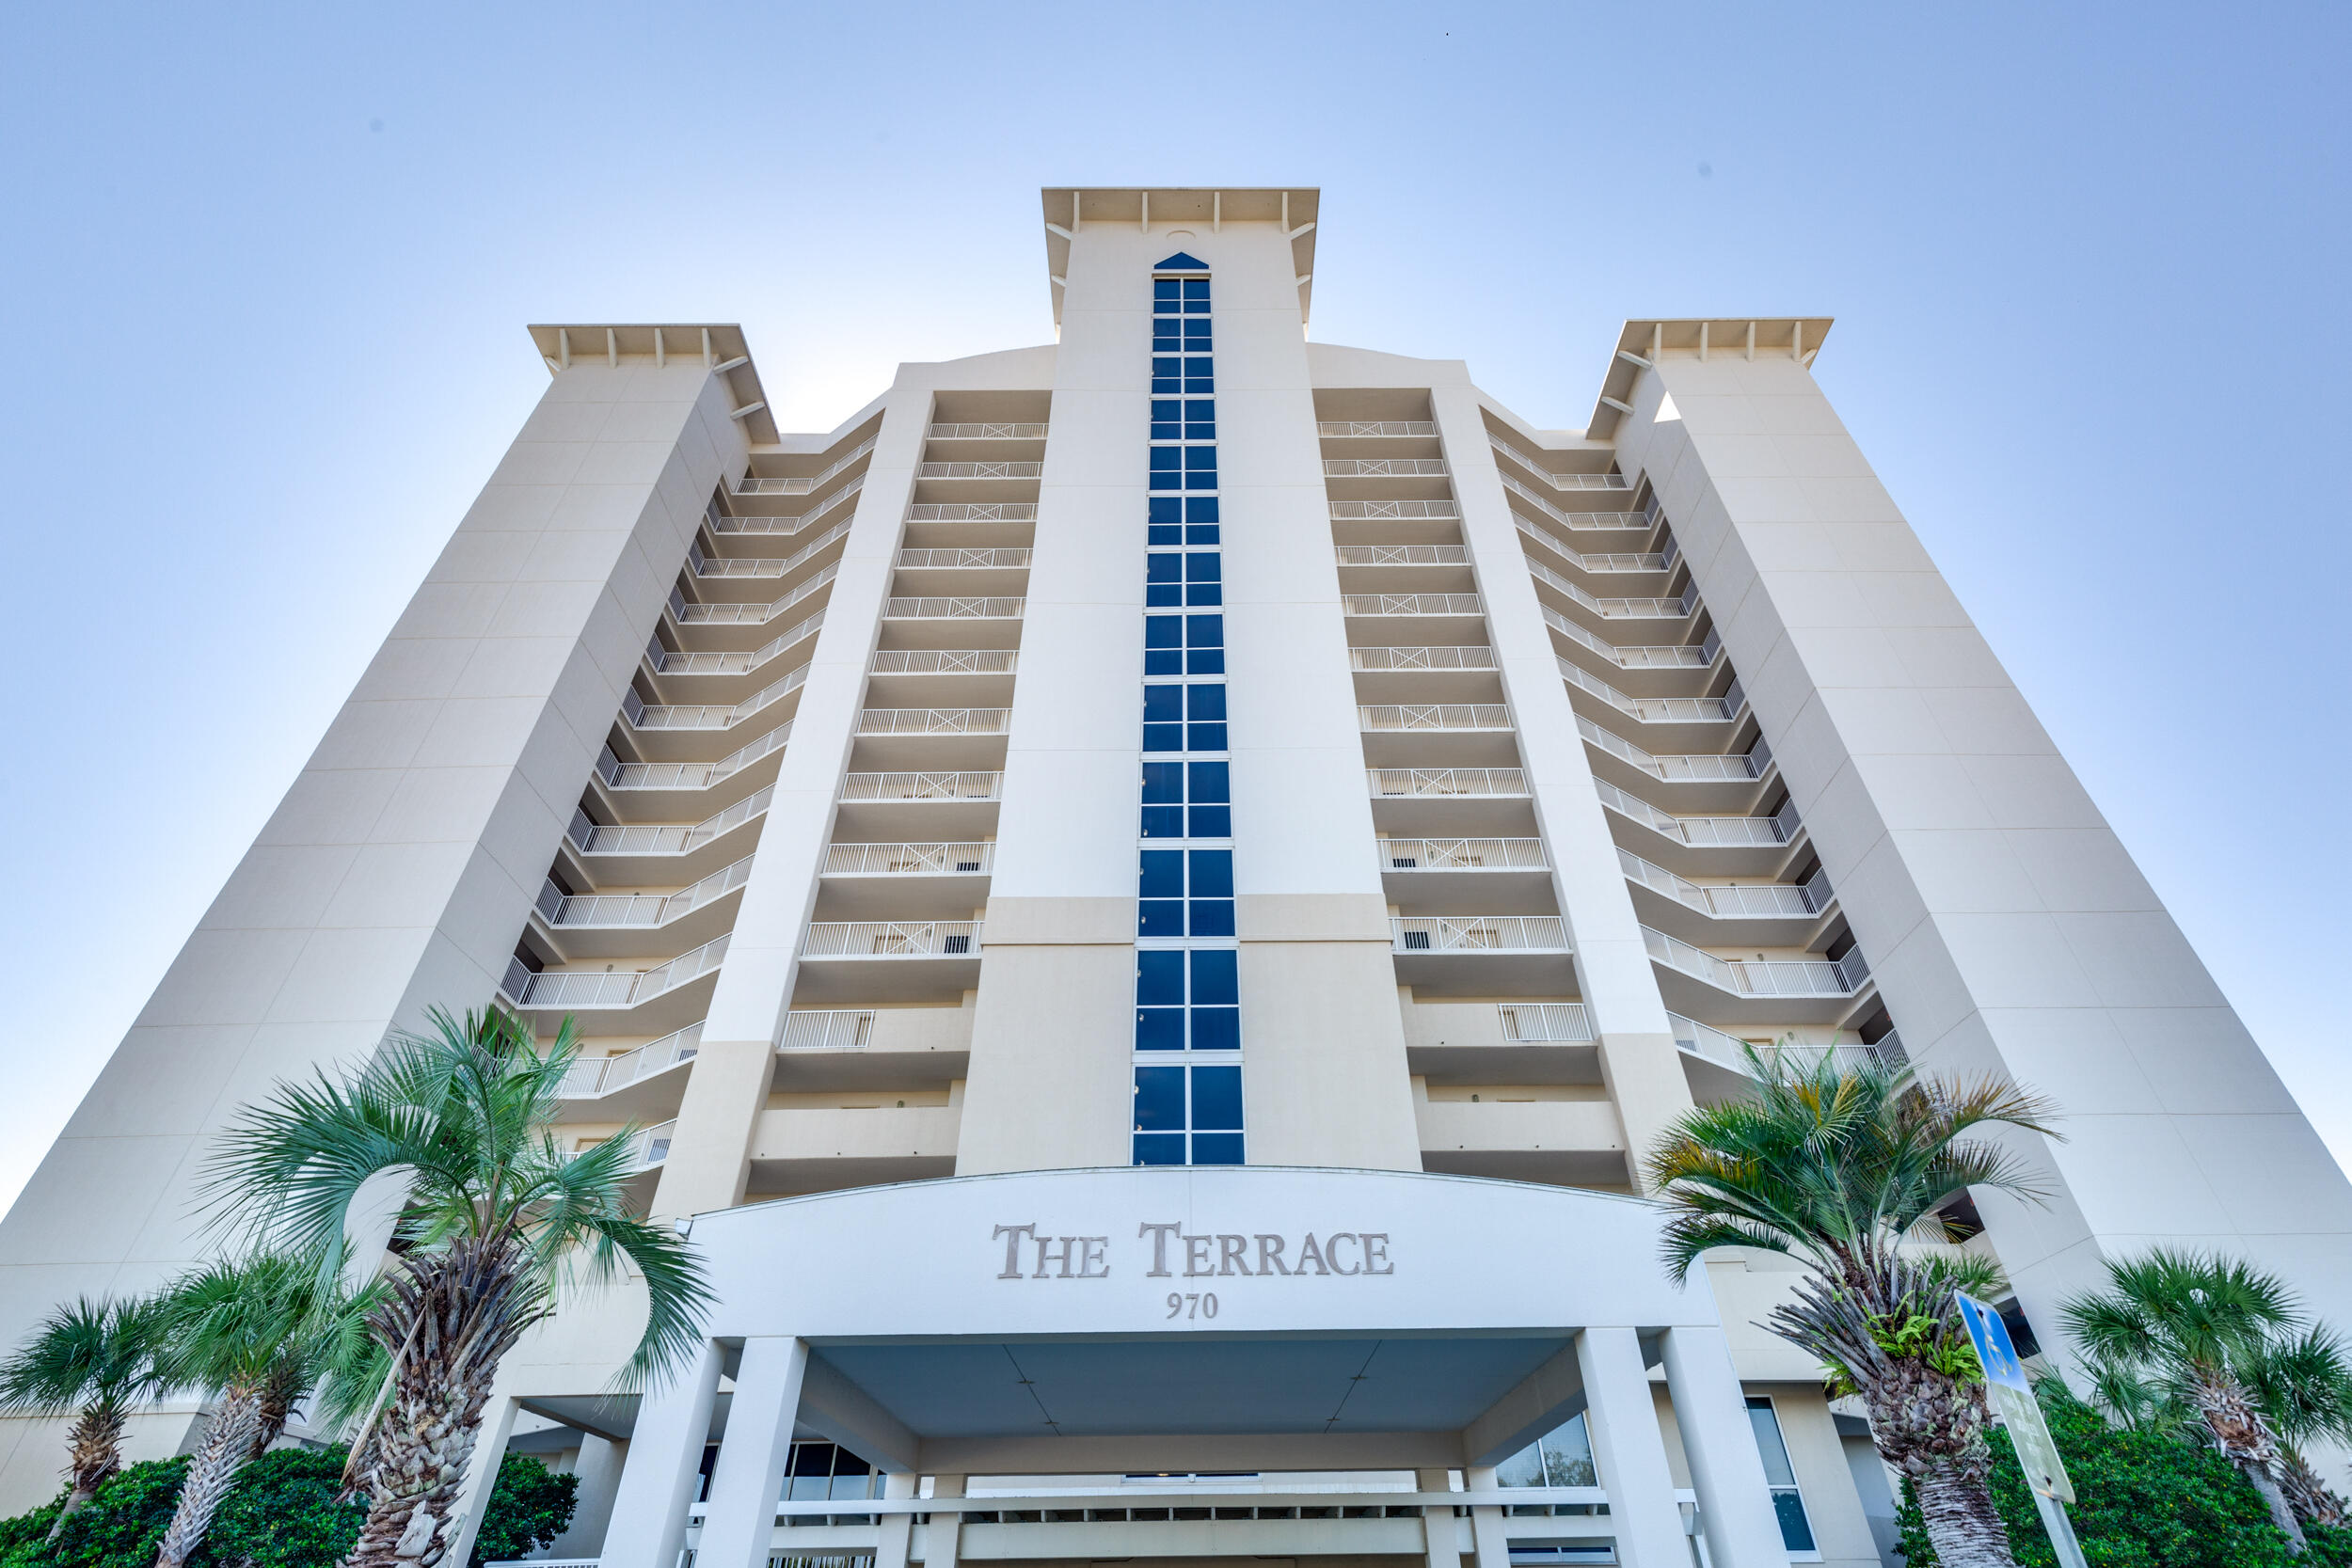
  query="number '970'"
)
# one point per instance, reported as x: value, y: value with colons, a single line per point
x: 1195, y: 1305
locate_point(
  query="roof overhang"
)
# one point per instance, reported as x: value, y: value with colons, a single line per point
x: 718, y: 346
x: 1068, y: 209
x: 1642, y: 343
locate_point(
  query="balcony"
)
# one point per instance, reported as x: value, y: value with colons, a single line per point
x: 939, y: 482
x: 902, y: 879
x: 1493, y: 955
x: 1436, y: 799
x: 658, y: 726
x: 693, y: 613
x: 670, y: 783
x: 1722, y: 846
x: 952, y: 804
x: 631, y: 1085
x: 1436, y: 876
x: 1508, y: 1043
x: 1469, y: 733
x: 713, y: 567
x: 872, y: 1048
x: 1634, y: 609
x: 1567, y: 1142
x: 1395, y: 512
x: 1743, y: 914
x: 733, y: 661
x: 1699, y: 783
x: 897, y: 960
x: 1587, y: 522
x: 1611, y: 562
x: 814, y: 1148
x: 755, y: 484
x: 650, y: 1148
x: 753, y: 523
x: 946, y: 678
x: 1770, y: 991
x: 977, y: 470
x: 1459, y: 618
x: 1384, y: 468
x: 932, y: 622
x: 949, y: 735
x: 1562, y: 482
x: 666, y: 997
x: 975, y: 567
x: 604, y: 924
x: 1354, y: 428
x: 988, y: 432
x: 1730, y: 1052
x: 1545, y: 1023
x: 1432, y: 566
x: 1638, y: 656
x: 1701, y: 721
x: 624, y: 853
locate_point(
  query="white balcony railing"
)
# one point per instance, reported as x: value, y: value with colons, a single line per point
x: 1539, y: 1022
x: 1651, y: 656
x: 688, y: 775
x: 1635, y: 608
x: 1376, y: 427
x: 1384, y: 468
x: 599, y: 838
x: 653, y: 1146
x: 1412, y: 604
x: 612, y: 988
x: 1762, y: 977
x: 892, y: 939
x: 670, y: 661
x: 944, y: 661
x: 724, y: 522
x: 921, y: 786
x: 1478, y: 933
x: 909, y: 860
x: 1562, y: 482
x: 978, y: 470
x: 1730, y: 1051
x: 1656, y: 710
x: 689, y: 613
x: 1008, y: 557
x: 1462, y: 854
x: 709, y: 716
x: 1586, y: 521
x: 1702, y: 831
x: 972, y: 512
x: 1382, y: 512
x: 1437, y: 782
x: 1697, y: 768
x: 953, y: 608
x: 754, y: 484
x: 711, y: 566
x: 1467, y: 657
x: 935, y: 720
x: 1433, y: 715
x: 1403, y: 555
x: 622, y: 909
x: 1732, y: 900
x: 591, y: 1076
x: 827, y: 1031
x: 1615, y: 561
x: 988, y: 432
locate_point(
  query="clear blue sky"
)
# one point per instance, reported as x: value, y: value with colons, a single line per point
x: 266, y: 274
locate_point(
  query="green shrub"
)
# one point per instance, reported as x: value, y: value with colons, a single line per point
x: 2146, y: 1500
x: 530, y: 1505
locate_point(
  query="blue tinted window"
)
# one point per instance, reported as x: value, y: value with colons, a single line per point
x: 1215, y: 977
x: 1162, y: 875
x: 1167, y: 509
x: 1202, y: 534
x: 1161, y: 1148
x: 1163, y: 702
x: 1163, y: 783
x: 1196, y: 334
x: 1159, y: 978
x: 1166, y: 287
x: 1168, y: 422
x: 1217, y: 1028
x: 1205, y: 702
x: 1199, y: 422
x: 1160, y: 1099
x: 1211, y: 781
x: 1211, y: 822
x: 1195, y: 287
x: 1200, y: 509
x: 1198, y: 377
x: 1204, y: 566
x: 1216, y: 1096
x: 1211, y: 873
x: 1167, y: 822
x: 1159, y: 1028
x: 1209, y: 917
x: 1159, y: 917
x: 1217, y: 1149
x: 1168, y: 376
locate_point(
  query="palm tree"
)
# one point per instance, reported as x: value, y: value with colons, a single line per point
x: 1840, y: 1167
x: 2223, y: 1343
x: 498, y: 1221
x: 2304, y: 1386
x: 95, y: 1359
x: 256, y: 1333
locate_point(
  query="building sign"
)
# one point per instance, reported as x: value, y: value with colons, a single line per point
x: 2013, y: 1400
x: 1165, y: 1250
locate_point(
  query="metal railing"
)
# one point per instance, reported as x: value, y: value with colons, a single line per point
x: 1386, y: 717
x: 761, y: 565
x: 891, y: 939
x: 909, y: 860
x: 841, y: 1030
x: 731, y: 522
x: 1536, y: 1022
x: 988, y: 432
x: 612, y: 988
x: 1463, y: 657
x: 935, y: 720
x: 1384, y: 468
x: 1006, y: 558
x: 1478, y: 933
x: 1615, y: 560
x: 1586, y: 521
x: 1730, y: 1051
x: 1690, y: 767
x: 597, y: 838
x: 1560, y: 482
x: 972, y: 512
x: 1462, y: 854
x: 1374, y: 512
x: 653, y: 1145
x: 978, y: 470
x: 1791, y: 977
x: 1376, y: 427
x: 668, y: 661
x: 921, y: 786
x: 754, y: 484
x: 593, y: 1075
x: 1412, y: 604
x: 1435, y: 783
x: 1702, y: 831
x: 688, y: 775
x: 953, y: 608
x: 1635, y: 608
x: 1656, y: 710
x: 1639, y: 656
x: 1403, y: 555
x: 1732, y: 900
x: 638, y: 909
x: 709, y: 716
x: 944, y: 661
x: 691, y: 613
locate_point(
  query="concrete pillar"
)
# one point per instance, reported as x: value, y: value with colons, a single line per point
x: 941, y: 1536
x: 1494, y: 1547
x: 482, y: 1472
x: 1441, y: 1546
x: 1629, y: 1450
x: 739, y: 1520
x: 666, y: 1457
x: 598, y: 1468
x: 1727, y: 1472
x: 897, y: 1529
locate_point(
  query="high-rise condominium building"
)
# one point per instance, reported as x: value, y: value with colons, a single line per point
x: 1144, y: 898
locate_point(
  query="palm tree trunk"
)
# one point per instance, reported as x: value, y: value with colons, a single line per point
x: 2275, y: 1498
x: 212, y: 1470
x: 1962, y: 1524
x: 280, y: 1390
x: 94, y: 1452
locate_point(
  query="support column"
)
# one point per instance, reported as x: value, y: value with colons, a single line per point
x: 599, y: 1472
x: 941, y: 1536
x: 482, y: 1471
x: 897, y: 1529
x: 1726, y: 1471
x: 1494, y: 1547
x: 1630, y: 1452
x: 1437, y: 1523
x: 665, y: 1460
x: 739, y: 1521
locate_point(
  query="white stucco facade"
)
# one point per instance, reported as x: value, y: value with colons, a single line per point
x: 1153, y: 819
